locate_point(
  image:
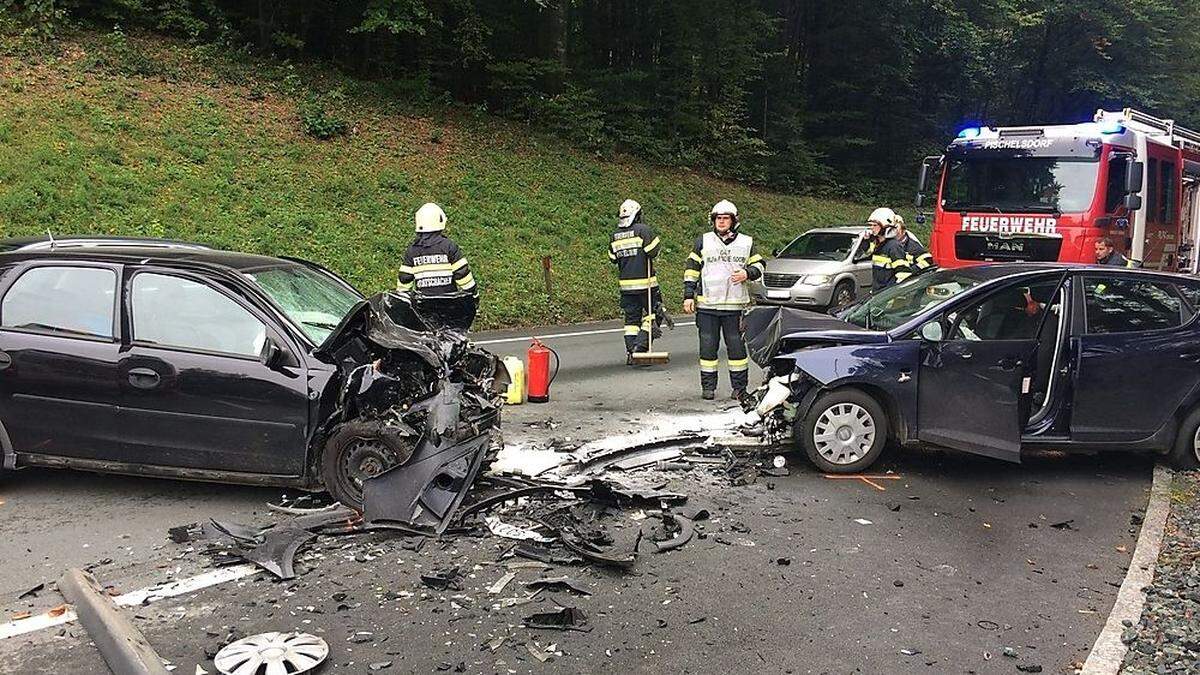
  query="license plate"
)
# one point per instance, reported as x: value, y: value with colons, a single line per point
x: 779, y: 295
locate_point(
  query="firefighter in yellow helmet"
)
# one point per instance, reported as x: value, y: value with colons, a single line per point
x: 436, y: 274
x: 715, y: 289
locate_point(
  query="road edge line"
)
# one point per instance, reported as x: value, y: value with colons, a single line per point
x: 1108, y: 652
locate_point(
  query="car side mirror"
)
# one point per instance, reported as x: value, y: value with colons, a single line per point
x: 1133, y: 202
x: 1133, y: 176
x: 933, y: 331
x: 271, y: 354
x: 775, y: 253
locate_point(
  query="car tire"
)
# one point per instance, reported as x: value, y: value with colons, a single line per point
x: 845, y: 431
x: 843, y: 294
x: 1186, y: 454
x: 356, y: 451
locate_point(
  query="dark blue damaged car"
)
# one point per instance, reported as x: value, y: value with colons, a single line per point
x: 992, y: 360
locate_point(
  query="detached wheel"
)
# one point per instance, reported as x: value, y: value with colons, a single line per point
x: 1186, y: 454
x: 358, y: 451
x: 844, y: 432
x: 843, y: 294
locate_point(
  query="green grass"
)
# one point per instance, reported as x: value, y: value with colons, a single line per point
x: 129, y: 135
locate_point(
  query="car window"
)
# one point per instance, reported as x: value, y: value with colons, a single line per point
x: 1012, y: 313
x: 1121, y: 305
x: 819, y: 246
x: 177, y: 312
x: 71, y: 300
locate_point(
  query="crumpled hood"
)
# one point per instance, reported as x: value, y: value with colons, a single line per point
x: 389, y: 320
x: 768, y: 327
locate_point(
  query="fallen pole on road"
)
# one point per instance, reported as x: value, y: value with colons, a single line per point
x: 122, y: 645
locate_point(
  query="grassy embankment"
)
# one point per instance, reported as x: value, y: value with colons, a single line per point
x: 122, y: 135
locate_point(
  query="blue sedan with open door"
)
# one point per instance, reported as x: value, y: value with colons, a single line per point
x: 992, y: 360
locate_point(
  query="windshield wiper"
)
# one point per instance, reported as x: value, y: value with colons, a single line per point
x: 320, y: 324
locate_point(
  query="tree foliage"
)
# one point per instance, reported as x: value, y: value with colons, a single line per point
x: 837, y: 96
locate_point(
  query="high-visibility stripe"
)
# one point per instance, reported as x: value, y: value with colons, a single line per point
x: 627, y: 284
x: 881, y: 260
x: 632, y: 330
x: 691, y: 275
x: 695, y: 256
x: 459, y: 264
x: 612, y: 256
x: 440, y: 267
x: 652, y: 245
x: 754, y: 258
x: 405, y: 269
x: 901, y: 276
x: 709, y: 366
x: 466, y: 281
x: 739, y: 364
x: 622, y: 244
x: 898, y: 263
x: 647, y: 321
x: 401, y: 286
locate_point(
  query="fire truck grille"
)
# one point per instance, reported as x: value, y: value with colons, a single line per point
x: 780, y: 280
x: 994, y: 247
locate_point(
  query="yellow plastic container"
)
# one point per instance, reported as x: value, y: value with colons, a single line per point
x: 516, y: 380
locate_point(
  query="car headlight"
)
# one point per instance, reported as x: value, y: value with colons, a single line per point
x: 817, y: 279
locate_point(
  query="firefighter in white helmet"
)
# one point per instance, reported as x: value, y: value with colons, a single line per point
x: 887, y: 255
x: 714, y: 288
x: 633, y: 247
x: 436, y: 274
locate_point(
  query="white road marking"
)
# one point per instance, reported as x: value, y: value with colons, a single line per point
x: 133, y: 598
x: 1108, y: 652
x: 598, y: 331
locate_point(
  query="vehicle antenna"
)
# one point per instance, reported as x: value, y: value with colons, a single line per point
x: 51, y: 236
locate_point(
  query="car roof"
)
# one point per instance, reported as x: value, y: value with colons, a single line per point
x: 840, y: 229
x: 45, y: 242
x: 241, y: 262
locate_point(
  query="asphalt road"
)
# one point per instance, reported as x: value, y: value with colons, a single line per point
x: 954, y: 560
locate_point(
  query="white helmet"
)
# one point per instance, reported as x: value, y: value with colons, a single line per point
x: 883, y: 216
x: 430, y: 218
x: 628, y: 213
x: 724, y: 208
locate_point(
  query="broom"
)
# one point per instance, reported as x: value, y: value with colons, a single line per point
x: 650, y: 357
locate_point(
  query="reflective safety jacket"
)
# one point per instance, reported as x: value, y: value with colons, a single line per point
x: 919, y: 258
x: 434, y: 265
x: 888, y: 261
x: 632, y: 248
x: 712, y: 260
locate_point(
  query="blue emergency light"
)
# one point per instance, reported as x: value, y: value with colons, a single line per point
x: 1112, y: 126
x: 969, y: 133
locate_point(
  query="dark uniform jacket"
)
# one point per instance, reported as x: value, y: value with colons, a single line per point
x: 888, y: 260
x: 433, y: 266
x: 632, y: 248
x: 1115, y: 259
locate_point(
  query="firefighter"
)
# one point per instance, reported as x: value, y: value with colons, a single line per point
x: 888, y: 257
x: 435, y: 272
x: 919, y: 259
x: 714, y: 288
x: 1106, y: 254
x: 632, y: 248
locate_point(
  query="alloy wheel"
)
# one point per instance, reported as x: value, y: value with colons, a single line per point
x: 844, y: 433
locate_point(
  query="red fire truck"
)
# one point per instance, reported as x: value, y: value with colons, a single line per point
x: 1046, y: 193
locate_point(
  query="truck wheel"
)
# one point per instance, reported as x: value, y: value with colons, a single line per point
x: 357, y: 451
x: 843, y: 294
x: 1186, y: 454
x: 844, y: 432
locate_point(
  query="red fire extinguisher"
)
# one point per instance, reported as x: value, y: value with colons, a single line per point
x: 538, y: 373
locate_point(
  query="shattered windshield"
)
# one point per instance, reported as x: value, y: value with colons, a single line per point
x: 894, y: 305
x: 1016, y: 184
x: 311, y: 299
x: 819, y: 246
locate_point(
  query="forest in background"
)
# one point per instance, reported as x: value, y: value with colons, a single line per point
x: 824, y: 97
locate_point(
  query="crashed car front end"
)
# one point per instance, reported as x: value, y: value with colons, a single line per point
x: 803, y: 354
x: 417, y: 413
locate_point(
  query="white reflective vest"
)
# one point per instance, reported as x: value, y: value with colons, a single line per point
x: 720, y: 260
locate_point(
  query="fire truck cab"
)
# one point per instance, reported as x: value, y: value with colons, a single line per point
x: 1047, y: 193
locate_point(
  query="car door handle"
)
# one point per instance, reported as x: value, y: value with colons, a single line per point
x: 144, y: 378
x: 5, y: 360
x: 1009, y: 363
